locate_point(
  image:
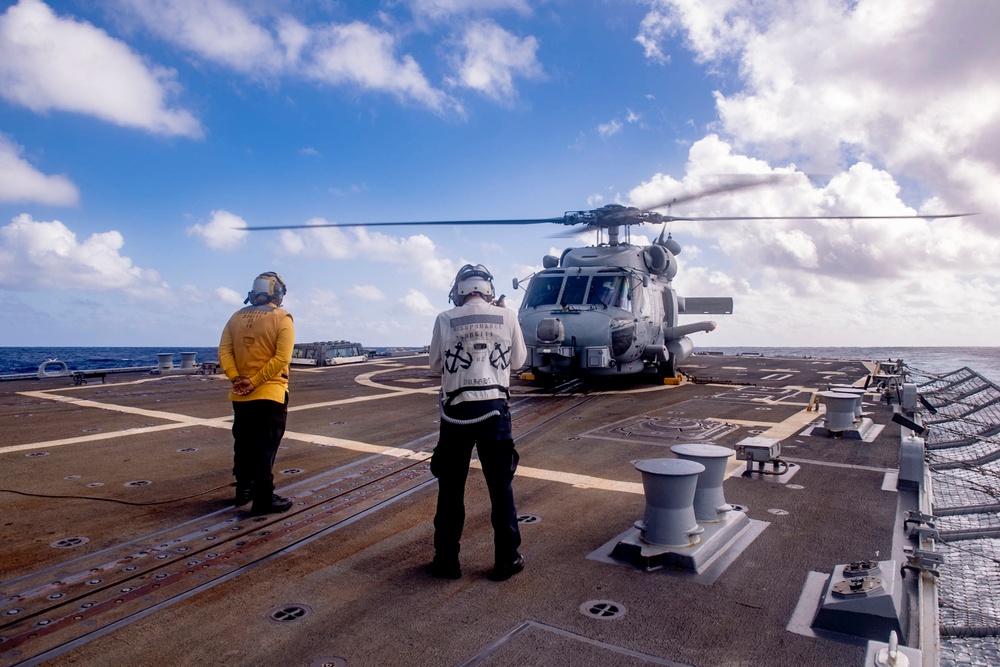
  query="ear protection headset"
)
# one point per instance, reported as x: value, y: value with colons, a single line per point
x: 471, y: 279
x: 267, y: 287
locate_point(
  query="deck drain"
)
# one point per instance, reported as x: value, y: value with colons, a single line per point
x: 289, y: 612
x: 528, y: 518
x: 604, y: 610
x: 35, y: 455
x: 94, y: 485
x: 138, y: 482
x: 186, y: 450
x: 328, y: 662
x: 69, y: 542
x: 72, y: 477
x: 292, y: 471
x: 794, y: 486
x: 778, y: 512
x: 90, y: 430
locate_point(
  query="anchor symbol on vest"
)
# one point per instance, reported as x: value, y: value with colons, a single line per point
x: 455, y: 359
x: 498, y: 357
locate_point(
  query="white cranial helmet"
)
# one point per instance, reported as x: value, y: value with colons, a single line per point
x: 471, y: 279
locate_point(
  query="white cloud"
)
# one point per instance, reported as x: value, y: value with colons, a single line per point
x: 610, y: 128
x: 219, y: 31
x: 21, y: 182
x: 259, y: 41
x: 826, y: 282
x: 367, y: 293
x: 416, y: 255
x: 438, y: 9
x: 417, y: 303
x: 230, y: 296
x: 50, y: 63
x: 40, y: 255
x: 490, y: 57
x: 906, y: 86
x: 225, y: 231
x: 359, y: 54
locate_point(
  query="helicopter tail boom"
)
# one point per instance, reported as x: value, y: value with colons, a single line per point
x: 706, y: 305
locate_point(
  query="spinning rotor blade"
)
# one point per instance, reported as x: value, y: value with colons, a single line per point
x: 732, y: 184
x: 671, y: 218
x: 529, y: 221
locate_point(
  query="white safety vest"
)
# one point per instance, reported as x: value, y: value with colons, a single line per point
x: 475, y: 347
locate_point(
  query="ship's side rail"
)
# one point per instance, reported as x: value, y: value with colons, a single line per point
x: 962, y: 412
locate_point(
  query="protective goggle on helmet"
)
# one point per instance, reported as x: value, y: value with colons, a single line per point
x: 471, y: 279
x: 267, y: 287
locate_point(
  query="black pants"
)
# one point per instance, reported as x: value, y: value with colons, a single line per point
x: 450, y: 464
x: 258, y: 427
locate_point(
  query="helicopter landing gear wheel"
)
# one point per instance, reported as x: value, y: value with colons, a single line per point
x: 668, y: 369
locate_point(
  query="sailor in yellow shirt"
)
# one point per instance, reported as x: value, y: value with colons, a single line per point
x: 255, y: 352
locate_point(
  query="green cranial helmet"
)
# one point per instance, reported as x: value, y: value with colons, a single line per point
x: 267, y: 288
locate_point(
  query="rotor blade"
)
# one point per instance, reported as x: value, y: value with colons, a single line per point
x: 671, y: 218
x: 529, y: 221
x: 737, y: 182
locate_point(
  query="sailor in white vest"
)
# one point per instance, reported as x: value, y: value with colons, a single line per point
x: 475, y: 346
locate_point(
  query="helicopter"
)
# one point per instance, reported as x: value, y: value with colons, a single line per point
x: 610, y: 309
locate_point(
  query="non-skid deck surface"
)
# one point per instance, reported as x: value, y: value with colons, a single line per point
x: 120, y: 545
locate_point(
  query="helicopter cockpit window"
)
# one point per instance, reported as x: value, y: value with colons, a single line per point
x: 607, y: 291
x: 575, y: 289
x: 543, y: 291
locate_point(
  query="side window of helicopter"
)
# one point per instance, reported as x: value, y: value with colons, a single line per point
x: 575, y: 289
x: 640, y: 301
x: 543, y: 291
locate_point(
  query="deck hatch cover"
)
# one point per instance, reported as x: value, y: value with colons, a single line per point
x: 604, y: 610
x: 289, y: 612
x: 69, y: 542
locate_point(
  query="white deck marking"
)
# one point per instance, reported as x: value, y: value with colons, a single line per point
x: 575, y: 480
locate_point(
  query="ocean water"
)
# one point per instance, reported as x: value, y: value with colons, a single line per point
x: 924, y: 360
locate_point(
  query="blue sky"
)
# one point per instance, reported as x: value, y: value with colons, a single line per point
x: 138, y: 139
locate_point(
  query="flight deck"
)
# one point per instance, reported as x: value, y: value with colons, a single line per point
x: 120, y: 543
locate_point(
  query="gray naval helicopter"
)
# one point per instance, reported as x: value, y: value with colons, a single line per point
x: 610, y: 309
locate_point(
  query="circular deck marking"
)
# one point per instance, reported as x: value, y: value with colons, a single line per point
x: 292, y: 471
x: 138, y: 482
x: 604, y: 610
x: 528, y: 518
x: 90, y: 430
x: 69, y: 542
x: 94, y: 485
x: 187, y: 450
x: 289, y: 612
x: 328, y: 662
x: 794, y: 486
x: 35, y: 455
x: 777, y: 512
x: 72, y: 477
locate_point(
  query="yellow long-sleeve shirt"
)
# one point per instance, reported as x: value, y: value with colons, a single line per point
x: 257, y: 342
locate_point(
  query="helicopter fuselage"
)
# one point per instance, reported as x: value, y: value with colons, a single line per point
x: 607, y: 310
